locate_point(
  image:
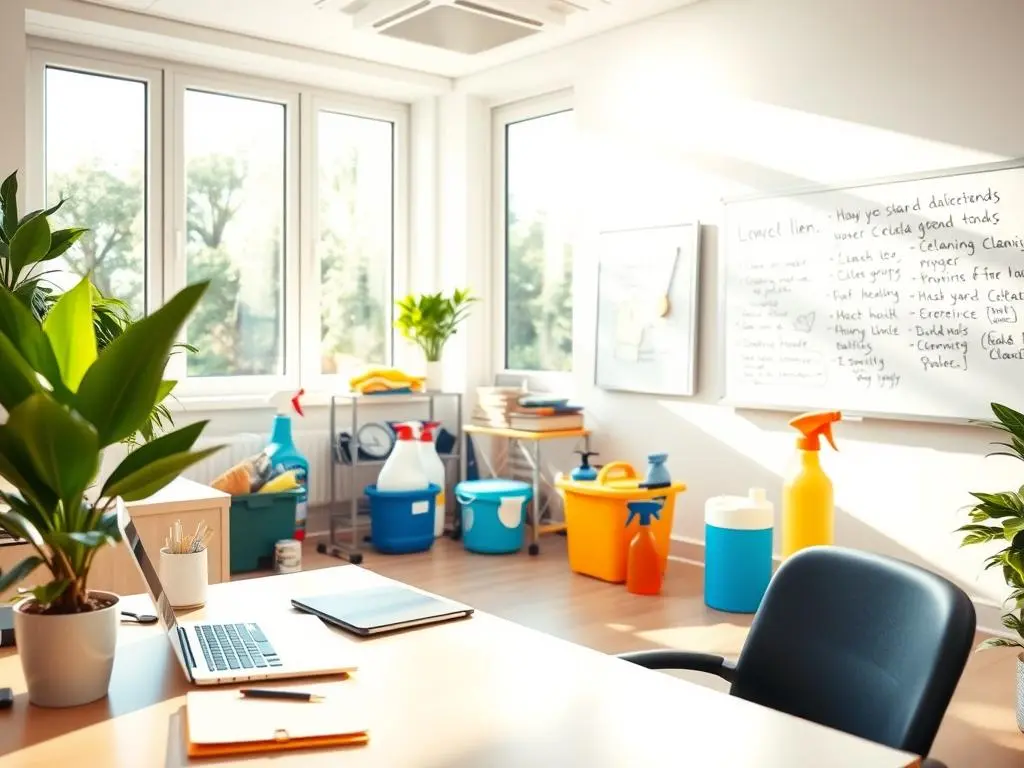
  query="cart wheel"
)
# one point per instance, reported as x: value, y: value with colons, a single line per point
x: 355, y: 558
x: 321, y: 548
x: 534, y: 549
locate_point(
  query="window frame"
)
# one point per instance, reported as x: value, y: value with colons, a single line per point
x: 314, y: 103
x: 167, y: 81
x: 501, y: 117
x: 34, y: 178
x: 185, y: 79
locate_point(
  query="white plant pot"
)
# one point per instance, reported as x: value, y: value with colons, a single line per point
x: 1020, y: 691
x: 67, y: 659
x: 435, y: 376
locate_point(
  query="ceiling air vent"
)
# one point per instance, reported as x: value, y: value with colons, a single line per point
x: 462, y: 26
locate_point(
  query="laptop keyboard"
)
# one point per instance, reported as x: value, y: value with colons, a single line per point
x: 235, y: 646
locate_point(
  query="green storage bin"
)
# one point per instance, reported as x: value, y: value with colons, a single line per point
x: 258, y: 522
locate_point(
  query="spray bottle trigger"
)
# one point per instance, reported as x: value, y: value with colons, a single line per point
x: 295, y: 402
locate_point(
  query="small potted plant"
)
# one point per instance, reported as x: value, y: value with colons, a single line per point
x: 428, y: 321
x: 66, y: 402
x: 998, y: 519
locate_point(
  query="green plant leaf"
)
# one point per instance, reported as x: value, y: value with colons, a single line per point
x: 20, y: 326
x: 120, y: 389
x: 9, y: 201
x: 17, y: 574
x: 179, y: 441
x: 47, y: 594
x: 69, y: 328
x: 20, y: 528
x: 999, y: 642
x: 18, y: 380
x: 62, y: 240
x: 61, y: 445
x: 155, y: 475
x: 42, y: 212
x: 29, y: 244
x: 85, y: 539
x: 1009, y: 418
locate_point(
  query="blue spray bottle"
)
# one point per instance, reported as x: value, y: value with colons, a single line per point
x: 285, y: 456
x: 584, y: 471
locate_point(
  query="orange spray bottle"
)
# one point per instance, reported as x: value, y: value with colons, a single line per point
x: 808, y: 510
x: 643, y: 568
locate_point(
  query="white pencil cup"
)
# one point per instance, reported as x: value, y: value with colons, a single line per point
x: 184, y: 578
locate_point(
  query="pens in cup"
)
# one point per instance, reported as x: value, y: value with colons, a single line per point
x: 270, y: 693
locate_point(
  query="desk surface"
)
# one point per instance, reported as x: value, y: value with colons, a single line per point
x: 478, y: 692
x: 522, y: 434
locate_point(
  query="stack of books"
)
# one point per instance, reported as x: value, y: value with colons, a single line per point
x: 495, y: 405
x: 547, y: 418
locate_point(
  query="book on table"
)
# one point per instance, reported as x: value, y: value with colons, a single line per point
x: 559, y: 422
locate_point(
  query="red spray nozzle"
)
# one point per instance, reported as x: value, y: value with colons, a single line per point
x: 427, y: 431
x: 295, y: 402
x: 403, y: 431
x: 813, y: 426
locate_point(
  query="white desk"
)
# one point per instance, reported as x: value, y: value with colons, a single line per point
x: 479, y: 693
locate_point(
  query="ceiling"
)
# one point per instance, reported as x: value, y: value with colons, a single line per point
x: 451, y: 38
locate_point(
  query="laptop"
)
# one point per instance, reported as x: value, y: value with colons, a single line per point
x: 244, y: 649
x: 376, y: 610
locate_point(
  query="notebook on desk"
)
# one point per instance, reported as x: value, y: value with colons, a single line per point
x: 221, y: 722
x: 376, y: 610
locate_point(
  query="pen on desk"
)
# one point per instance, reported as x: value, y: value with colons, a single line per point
x: 269, y: 693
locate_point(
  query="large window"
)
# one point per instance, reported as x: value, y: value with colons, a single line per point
x: 234, y: 163
x: 537, y: 242
x: 95, y: 148
x: 354, y: 245
x: 286, y: 200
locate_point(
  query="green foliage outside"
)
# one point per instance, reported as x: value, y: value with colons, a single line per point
x: 66, y: 402
x: 538, y: 309
x: 997, y: 520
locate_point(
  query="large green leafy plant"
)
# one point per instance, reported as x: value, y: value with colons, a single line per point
x: 431, y: 319
x: 66, y: 402
x: 998, y: 518
x: 27, y: 246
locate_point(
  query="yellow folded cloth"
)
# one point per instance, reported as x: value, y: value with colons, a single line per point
x: 385, y: 380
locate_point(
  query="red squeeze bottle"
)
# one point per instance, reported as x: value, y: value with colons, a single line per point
x: 643, y: 568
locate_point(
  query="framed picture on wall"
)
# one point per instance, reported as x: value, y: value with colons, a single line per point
x: 647, y: 302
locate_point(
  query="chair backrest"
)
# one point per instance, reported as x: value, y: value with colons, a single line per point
x: 859, y: 642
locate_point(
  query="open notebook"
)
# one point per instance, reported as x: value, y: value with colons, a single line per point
x: 221, y: 722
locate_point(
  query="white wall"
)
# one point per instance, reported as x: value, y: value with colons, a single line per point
x: 734, y: 96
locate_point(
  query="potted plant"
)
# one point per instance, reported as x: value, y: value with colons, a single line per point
x: 66, y: 402
x: 27, y: 245
x: 428, y: 321
x: 998, y: 519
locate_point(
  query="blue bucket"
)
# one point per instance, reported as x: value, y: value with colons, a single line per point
x: 402, y: 521
x: 493, y: 511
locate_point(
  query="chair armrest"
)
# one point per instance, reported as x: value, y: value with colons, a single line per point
x: 697, y: 662
x: 931, y: 762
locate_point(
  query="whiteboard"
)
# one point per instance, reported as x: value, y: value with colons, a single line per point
x: 900, y: 298
x: 647, y: 295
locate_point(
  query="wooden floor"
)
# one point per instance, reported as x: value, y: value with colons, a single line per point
x: 541, y: 592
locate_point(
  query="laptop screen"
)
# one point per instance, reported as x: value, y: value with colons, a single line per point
x: 149, y: 573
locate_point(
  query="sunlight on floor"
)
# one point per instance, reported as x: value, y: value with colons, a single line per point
x: 726, y: 639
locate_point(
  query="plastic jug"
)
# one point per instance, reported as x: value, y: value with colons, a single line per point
x: 403, y: 470
x: 434, y: 469
x: 285, y: 457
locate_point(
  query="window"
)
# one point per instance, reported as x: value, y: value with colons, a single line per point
x: 286, y: 200
x: 537, y: 242
x: 98, y: 166
x: 234, y: 165
x: 355, y: 238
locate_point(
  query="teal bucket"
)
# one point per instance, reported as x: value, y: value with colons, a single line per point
x: 493, y: 513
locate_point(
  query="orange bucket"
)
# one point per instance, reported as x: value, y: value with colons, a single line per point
x: 595, y: 519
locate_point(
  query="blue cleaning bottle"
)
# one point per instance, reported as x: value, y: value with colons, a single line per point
x: 285, y: 456
x: 584, y: 471
x: 657, y: 472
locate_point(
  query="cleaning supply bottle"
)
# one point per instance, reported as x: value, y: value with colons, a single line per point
x: 434, y: 469
x: 285, y: 457
x: 807, y: 506
x: 403, y: 470
x: 657, y: 472
x: 584, y: 471
x: 643, y: 566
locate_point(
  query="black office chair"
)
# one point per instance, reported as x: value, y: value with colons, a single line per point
x: 855, y: 641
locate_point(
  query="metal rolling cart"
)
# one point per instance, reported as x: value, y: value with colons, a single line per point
x: 348, y: 527
x: 529, y: 445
